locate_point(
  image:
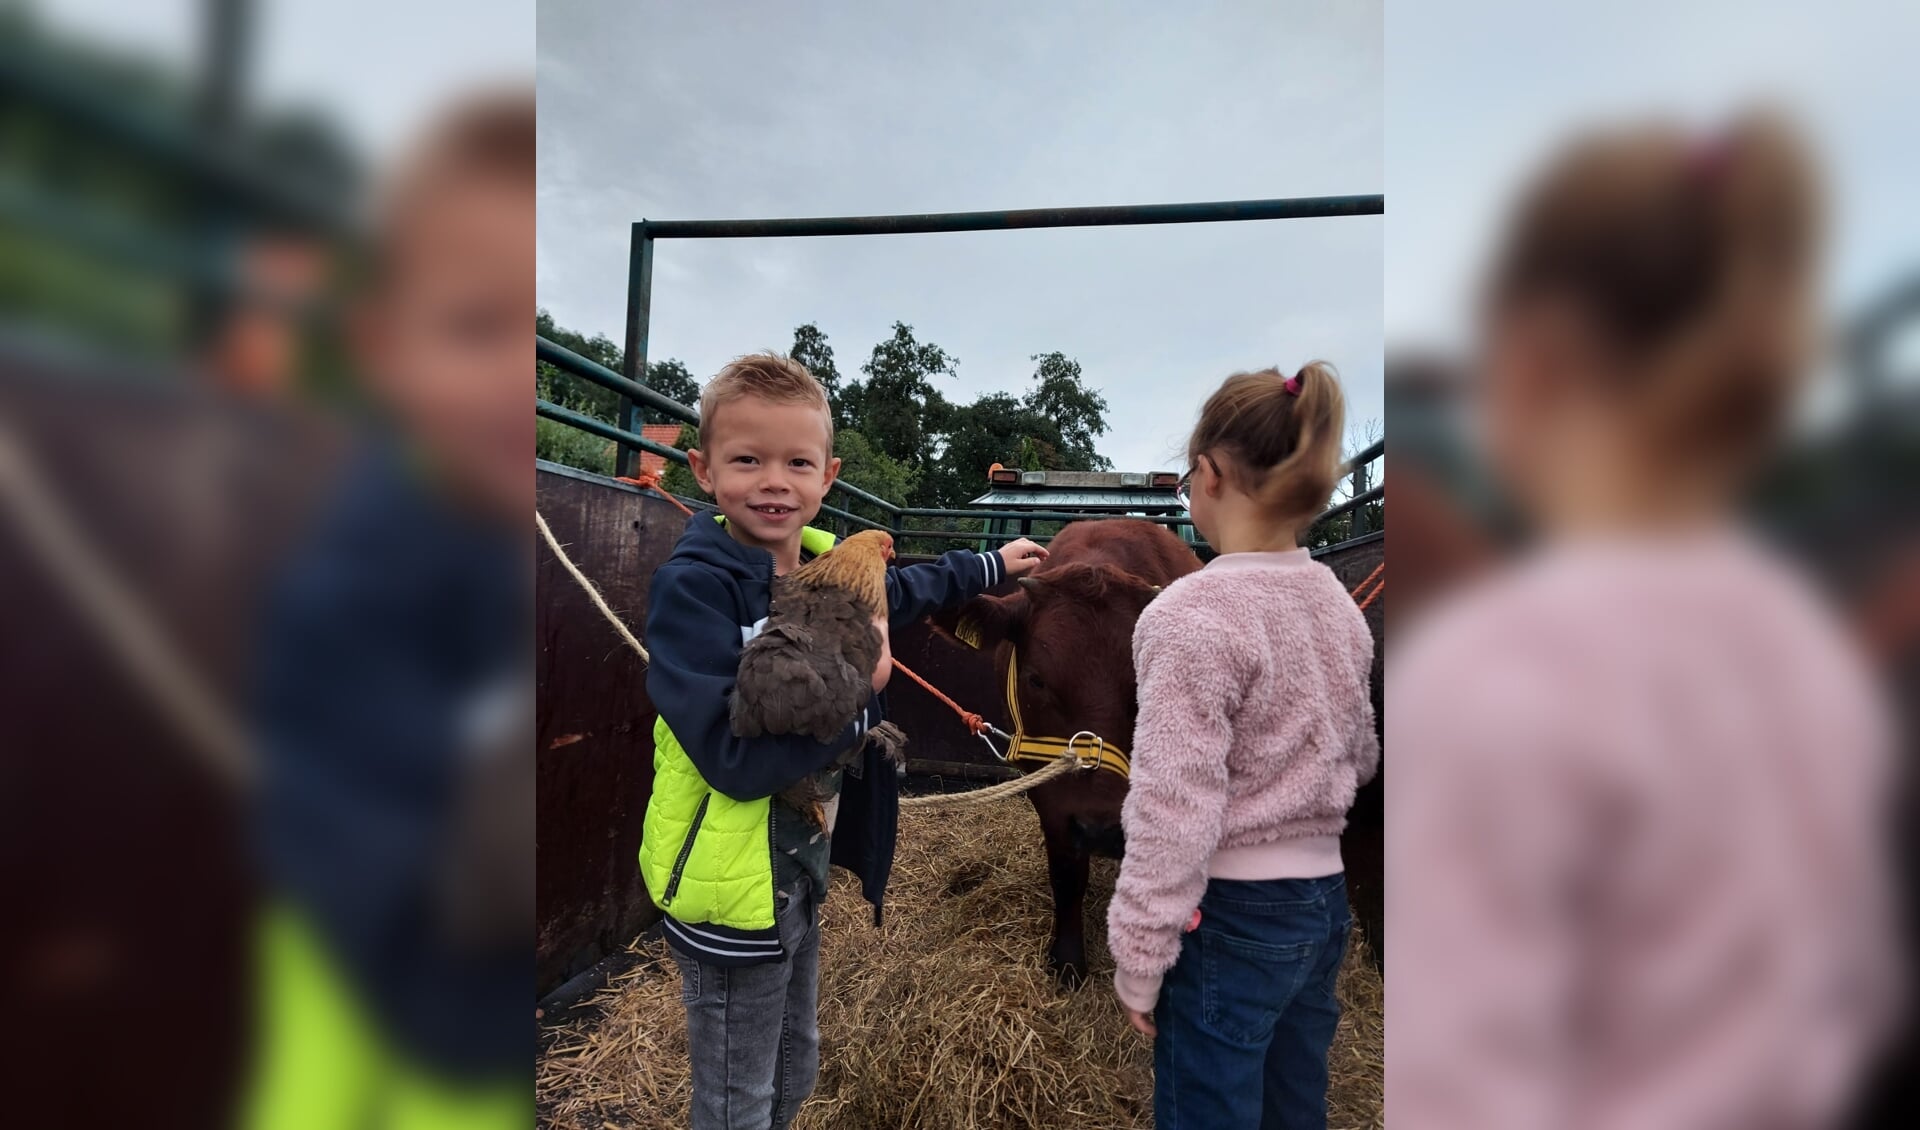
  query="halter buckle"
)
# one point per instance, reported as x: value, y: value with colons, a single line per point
x: 1091, y: 761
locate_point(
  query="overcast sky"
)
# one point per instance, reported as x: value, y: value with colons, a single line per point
x: 378, y: 68
x: 1479, y: 90
x: 679, y: 111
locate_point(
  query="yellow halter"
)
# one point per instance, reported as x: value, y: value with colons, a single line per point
x: 1086, y: 747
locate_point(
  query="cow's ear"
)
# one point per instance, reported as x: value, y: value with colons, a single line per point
x: 984, y: 621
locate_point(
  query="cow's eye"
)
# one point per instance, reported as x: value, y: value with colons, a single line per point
x: 1036, y: 682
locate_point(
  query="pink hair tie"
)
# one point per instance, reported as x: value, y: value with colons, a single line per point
x: 1293, y: 384
x: 1707, y: 157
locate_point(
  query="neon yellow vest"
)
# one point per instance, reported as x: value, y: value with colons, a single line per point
x: 705, y: 857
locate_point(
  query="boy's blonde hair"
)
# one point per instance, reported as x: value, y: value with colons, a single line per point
x: 770, y: 376
x: 486, y: 137
x: 1282, y: 436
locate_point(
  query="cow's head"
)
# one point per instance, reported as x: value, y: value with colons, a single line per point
x: 1072, y: 626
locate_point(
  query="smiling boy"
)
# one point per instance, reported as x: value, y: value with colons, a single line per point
x: 740, y: 874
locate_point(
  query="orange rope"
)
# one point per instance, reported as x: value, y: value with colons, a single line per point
x: 1377, y: 570
x: 1374, y: 594
x: 1378, y: 589
x: 650, y: 480
x: 974, y: 722
x: 977, y: 724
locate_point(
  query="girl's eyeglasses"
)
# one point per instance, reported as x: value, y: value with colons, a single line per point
x: 1184, y: 491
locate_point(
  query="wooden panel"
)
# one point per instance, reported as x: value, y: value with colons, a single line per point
x: 1363, y: 845
x: 128, y: 898
x: 594, y: 722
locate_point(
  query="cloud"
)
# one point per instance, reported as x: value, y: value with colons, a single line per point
x: 672, y: 111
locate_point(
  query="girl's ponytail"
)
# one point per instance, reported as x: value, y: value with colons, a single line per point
x: 1282, y: 436
x: 1692, y: 259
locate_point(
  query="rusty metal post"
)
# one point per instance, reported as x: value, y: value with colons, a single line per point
x: 634, y: 360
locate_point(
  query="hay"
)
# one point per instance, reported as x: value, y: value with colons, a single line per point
x: 946, y: 1019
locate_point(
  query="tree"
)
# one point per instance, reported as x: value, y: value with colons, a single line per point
x: 897, y: 435
x: 995, y: 428
x: 559, y: 443
x: 1079, y: 413
x: 679, y: 477
x: 897, y: 408
x: 671, y: 379
x: 567, y: 390
x: 872, y: 470
x: 810, y: 348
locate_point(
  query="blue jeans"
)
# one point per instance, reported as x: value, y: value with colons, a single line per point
x: 753, y: 1031
x: 1246, y: 1016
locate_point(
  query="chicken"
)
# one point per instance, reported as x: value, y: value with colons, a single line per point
x: 811, y: 667
x: 806, y: 796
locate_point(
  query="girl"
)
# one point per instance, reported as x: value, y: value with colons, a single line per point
x: 1636, y: 873
x: 1255, y: 730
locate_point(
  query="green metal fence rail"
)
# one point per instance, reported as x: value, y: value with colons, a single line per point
x: 902, y: 518
x: 646, y: 232
x: 903, y: 522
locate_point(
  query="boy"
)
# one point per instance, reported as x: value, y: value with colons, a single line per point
x: 740, y: 874
x: 394, y: 814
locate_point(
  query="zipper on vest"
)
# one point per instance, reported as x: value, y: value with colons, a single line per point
x: 686, y: 849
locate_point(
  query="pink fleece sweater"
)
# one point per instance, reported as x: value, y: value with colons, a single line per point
x: 1636, y: 870
x: 1255, y: 730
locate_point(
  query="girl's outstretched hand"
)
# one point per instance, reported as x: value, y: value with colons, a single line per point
x: 1141, y: 1023
x: 1022, y: 556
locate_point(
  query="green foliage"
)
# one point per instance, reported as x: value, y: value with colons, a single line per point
x: 136, y: 270
x: 865, y: 466
x: 897, y: 407
x: 567, y: 390
x: 810, y: 348
x: 1078, y: 413
x: 670, y: 378
x: 557, y: 443
x: 995, y: 428
x: 896, y: 433
x: 678, y: 477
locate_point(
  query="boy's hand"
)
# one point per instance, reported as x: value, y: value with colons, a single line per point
x: 1022, y: 556
x: 884, y: 669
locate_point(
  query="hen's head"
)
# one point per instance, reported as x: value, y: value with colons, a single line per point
x: 858, y: 564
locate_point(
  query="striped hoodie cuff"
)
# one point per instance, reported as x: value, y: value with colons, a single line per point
x: 993, y: 568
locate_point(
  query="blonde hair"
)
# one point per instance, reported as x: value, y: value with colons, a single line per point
x: 769, y: 376
x: 1692, y: 259
x: 1281, y: 435
x: 486, y: 137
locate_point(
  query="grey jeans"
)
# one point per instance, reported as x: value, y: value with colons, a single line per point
x: 753, y: 1031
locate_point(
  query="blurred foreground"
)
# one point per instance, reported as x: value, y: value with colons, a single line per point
x: 263, y: 464
x: 1650, y: 821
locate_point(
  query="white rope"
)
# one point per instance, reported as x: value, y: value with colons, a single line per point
x: 593, y: 593
x: 976, y: 797
x: 121, y: 619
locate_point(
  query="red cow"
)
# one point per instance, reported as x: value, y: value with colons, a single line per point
x: 1072, y: 627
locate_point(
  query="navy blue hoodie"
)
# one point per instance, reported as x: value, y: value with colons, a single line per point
x: 396, y: 622
x: 711, y: 597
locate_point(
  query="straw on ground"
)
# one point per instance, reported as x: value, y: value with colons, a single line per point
x: 946, y: 1019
